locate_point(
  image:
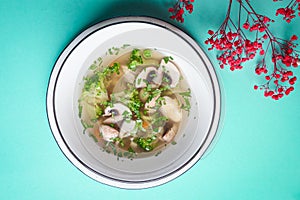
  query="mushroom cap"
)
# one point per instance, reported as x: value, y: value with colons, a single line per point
x: 148, y: 75
x: 171, y: 109
x: 116, y: 112
x: 170, y: 72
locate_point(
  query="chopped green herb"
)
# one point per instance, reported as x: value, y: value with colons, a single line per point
x: 159, y: 152
x: 100, y: 59
x: 119, y: 140
x: 139, y: 81
x: 125, y: 46
x: 152, y: 75
x: 113, y: 148
x: 148, y: 86
x: 126, y: 154
x: 110, y: 51
x: 187, y: 94
x: 85, y: 126
x: 94, y: 137
x: 159, y: 121
x: 131, y: 150
x: 127, y: 116
x: 129, y: 154
x: 144, y: 143
x: 107, y: 103
x: 166, y: 79
x: 135, y: 59
x: 153, y: 93
x: 94, y: 120
x: 187, y: 105
x: 107, y: 71
x: 167, y: 59
x: 116, y: 50
x: 155, y: 129
x: 139, y: 125
x: 161, y: 101
x: 98, y: 111
x: 135, y: 103
x: 147, y: 53
x: 79, y: 110
x: 93, y: 67
x: 173, y: 143
x: 120, y: 154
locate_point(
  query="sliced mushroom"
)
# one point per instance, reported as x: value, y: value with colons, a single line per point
x: 127, y: 128
x: 171, y: 109
x: 148, y: 75
x: 108, y: 133
x: 171, y: 74
x: 170, y: 134
x: 116, y: 113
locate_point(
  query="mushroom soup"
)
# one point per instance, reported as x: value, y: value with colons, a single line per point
x: 135, y: 106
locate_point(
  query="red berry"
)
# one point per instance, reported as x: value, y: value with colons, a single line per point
x: 246, y: 25
x: 294, y: 37
x: 210, y: 32
x: 266, y: 93
x: 277, y: 76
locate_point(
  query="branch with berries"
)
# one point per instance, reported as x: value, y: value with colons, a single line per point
x: 289, y: 12
x: 236, y: 48
x: 179, y: 9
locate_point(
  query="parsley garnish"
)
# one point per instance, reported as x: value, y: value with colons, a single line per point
x: 147, y: 53
x: 126, y: 116
x: 135, y: 59
x: 167, y: 59
x: 145, y: 143
x: 186, y: 96
x: 135, y: 103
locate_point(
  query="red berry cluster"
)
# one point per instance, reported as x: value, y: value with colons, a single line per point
x: 280, y: 82
x: 179, y: 8
x: 260, y: 24
x: 289, y: 12
x: 283, y: 82
x: 236, y: 49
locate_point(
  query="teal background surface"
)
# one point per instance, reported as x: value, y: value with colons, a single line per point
x: 255, y: 156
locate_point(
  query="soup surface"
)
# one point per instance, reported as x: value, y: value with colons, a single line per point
x: 136, y: 105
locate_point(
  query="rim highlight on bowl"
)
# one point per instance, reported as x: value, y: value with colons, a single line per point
x: 65, y: 86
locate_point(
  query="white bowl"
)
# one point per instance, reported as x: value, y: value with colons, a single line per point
x: 65, y: 87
